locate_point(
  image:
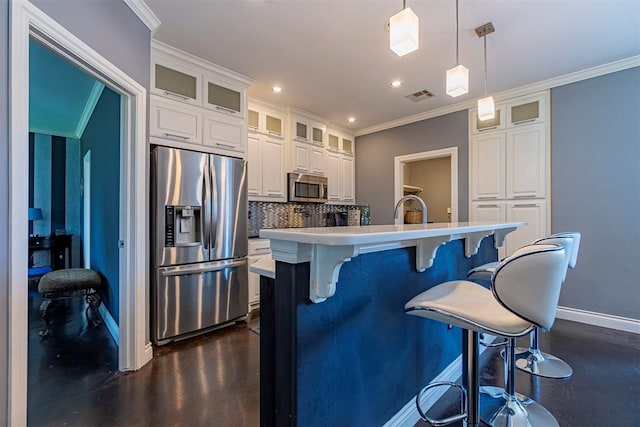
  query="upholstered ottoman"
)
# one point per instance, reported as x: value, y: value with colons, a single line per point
x: 69, y: 283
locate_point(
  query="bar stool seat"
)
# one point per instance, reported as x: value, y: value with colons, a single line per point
x: 524, y: 294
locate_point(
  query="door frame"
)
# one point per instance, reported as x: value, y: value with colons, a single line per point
x: 135, y: 350
x: 398, y: 172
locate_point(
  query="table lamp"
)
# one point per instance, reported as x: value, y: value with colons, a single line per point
x: 34, y: 215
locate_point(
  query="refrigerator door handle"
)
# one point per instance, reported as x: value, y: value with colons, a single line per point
x: 206, y: 198
x: 195, y: 269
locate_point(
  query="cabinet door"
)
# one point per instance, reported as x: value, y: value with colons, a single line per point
x: 334, y: 177
x: 254, y: 166
x: 175, y: 82
x: 480, y: 126
x: 224, y: 97
x: 488, y: 167
x: 333, y: 142
x: 526, y: 163
x: 300, y: 130
x: 273, y: 178
x: 173, y: 120
x: 347, y: 146
x: 347, y: 179
x: 527, y: 111
x: 223, y: 132
x: 274, y: 124
x: 317, y: 160
x: 488, y: 211
x: 301, y: 154
x: 534, y: 212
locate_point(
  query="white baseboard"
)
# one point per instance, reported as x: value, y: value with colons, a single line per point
x: 610, y: 321
x: 408, y: 416
x: 111, y: 324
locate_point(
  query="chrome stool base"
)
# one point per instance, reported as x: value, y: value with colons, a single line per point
x: 498, y: 411
x: 542, y: 364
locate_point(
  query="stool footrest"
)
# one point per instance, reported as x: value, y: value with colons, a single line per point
x: 451, y: 419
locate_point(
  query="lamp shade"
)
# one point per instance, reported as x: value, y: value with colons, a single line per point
x: 457, y: 81
x: 35, y: 214
x: 486, y: 108
x: 403, y: 32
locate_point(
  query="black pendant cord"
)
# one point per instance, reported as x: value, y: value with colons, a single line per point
x: 457, y: 32
x: 485, y: 65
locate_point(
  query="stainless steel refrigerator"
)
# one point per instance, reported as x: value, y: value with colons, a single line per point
x: 199, y: 242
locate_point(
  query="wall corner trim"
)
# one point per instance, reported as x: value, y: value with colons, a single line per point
x: 142, y: 11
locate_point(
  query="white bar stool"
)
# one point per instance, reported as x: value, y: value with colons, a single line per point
x: 525, y: 288
x: 532, y: 359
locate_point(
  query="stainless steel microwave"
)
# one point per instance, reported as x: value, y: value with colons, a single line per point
x: 307, y: 188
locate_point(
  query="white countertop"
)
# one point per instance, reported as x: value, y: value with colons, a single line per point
x: 372, y: 234
x: 327, y: 248
x: 264, y: 267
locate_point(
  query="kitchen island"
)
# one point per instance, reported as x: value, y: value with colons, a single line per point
x: 335, y: 345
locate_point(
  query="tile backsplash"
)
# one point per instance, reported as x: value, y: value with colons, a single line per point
x: 294, y: 215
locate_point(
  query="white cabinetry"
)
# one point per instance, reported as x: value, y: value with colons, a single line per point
x: 259, y: 249
x: 340, y: 167
x: 509, y: 169
x: 306, y: 143
x: 266, y: 157
x: 196, y: 102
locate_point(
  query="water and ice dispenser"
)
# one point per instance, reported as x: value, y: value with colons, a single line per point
x: 182, y: 226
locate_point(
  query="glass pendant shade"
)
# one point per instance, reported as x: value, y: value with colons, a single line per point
x: 486, y: 108
x: 457, y: 81
x: 403, y: 32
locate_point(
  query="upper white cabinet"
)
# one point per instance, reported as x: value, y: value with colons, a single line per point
x: 175, y: 121
x: 266, y: 172
x: 216, y: 118
x: 175, y: 81
x: 268, y: 120
x: 484, y: 126
x: 509, y: 174
x: 527, y: 111
x: 307, y: 137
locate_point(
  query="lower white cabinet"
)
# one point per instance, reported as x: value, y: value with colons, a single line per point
x: 258, y: 249
x: 176, y: 121
x: 266, y: 170
x: 534, y: 212
x: 348, y: 181
x: 490, y: 211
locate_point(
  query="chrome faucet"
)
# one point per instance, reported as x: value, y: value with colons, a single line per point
x: 412, y: 197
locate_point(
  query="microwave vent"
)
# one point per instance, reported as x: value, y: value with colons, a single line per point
x: 420, y: 95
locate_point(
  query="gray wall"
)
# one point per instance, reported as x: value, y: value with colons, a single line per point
x: 595, y: 189
x: 4, y: 206
x: 434, y: 176
x: 376, y: 153
x: 114, y: 31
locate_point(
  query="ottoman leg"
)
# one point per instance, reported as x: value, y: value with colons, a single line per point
x: 45, y: 316
x: 94, y: 300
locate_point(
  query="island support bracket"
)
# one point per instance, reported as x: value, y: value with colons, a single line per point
x: 326, y: 262
x: 426, y: 251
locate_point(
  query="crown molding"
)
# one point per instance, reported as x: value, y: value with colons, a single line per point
x: 90, y: 105
x: 140, y: 8
x: 600, y: 70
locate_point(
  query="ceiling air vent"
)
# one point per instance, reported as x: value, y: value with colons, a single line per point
x: 420, y: 95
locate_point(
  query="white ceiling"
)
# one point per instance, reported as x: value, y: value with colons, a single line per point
x: 333, y: 58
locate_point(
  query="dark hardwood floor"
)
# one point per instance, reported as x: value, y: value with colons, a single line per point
x: 213, y: 379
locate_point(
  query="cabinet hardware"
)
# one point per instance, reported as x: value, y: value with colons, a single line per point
x: 487, y: 198
x: 524, y: 121
x: 225, y: 145
x: 274, y: 133
x: 524, y: 196
x: 487, y: 206
x: 526, y: 205
x: 262, y: 250
x: 228, y: 110
x: 186, y: 138
x: 274, y: 193
x: 489, y: 128
x: 177, y: 95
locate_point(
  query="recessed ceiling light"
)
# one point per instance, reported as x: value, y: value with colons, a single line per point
x: 351, y: 119
x: 396, y: 84
x: 276, y: 89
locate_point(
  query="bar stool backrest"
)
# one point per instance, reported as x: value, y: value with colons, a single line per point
x: 565, y: 241
x: 574, y: 248
x: 528, y: 282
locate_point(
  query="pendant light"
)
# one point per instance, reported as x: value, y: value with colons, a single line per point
x: 486, y: 105
x: 458, y: 76
x: 403, y: 31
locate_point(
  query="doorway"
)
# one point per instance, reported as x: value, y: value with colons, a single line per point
x: 27, y: 21
x: 418, y: 174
